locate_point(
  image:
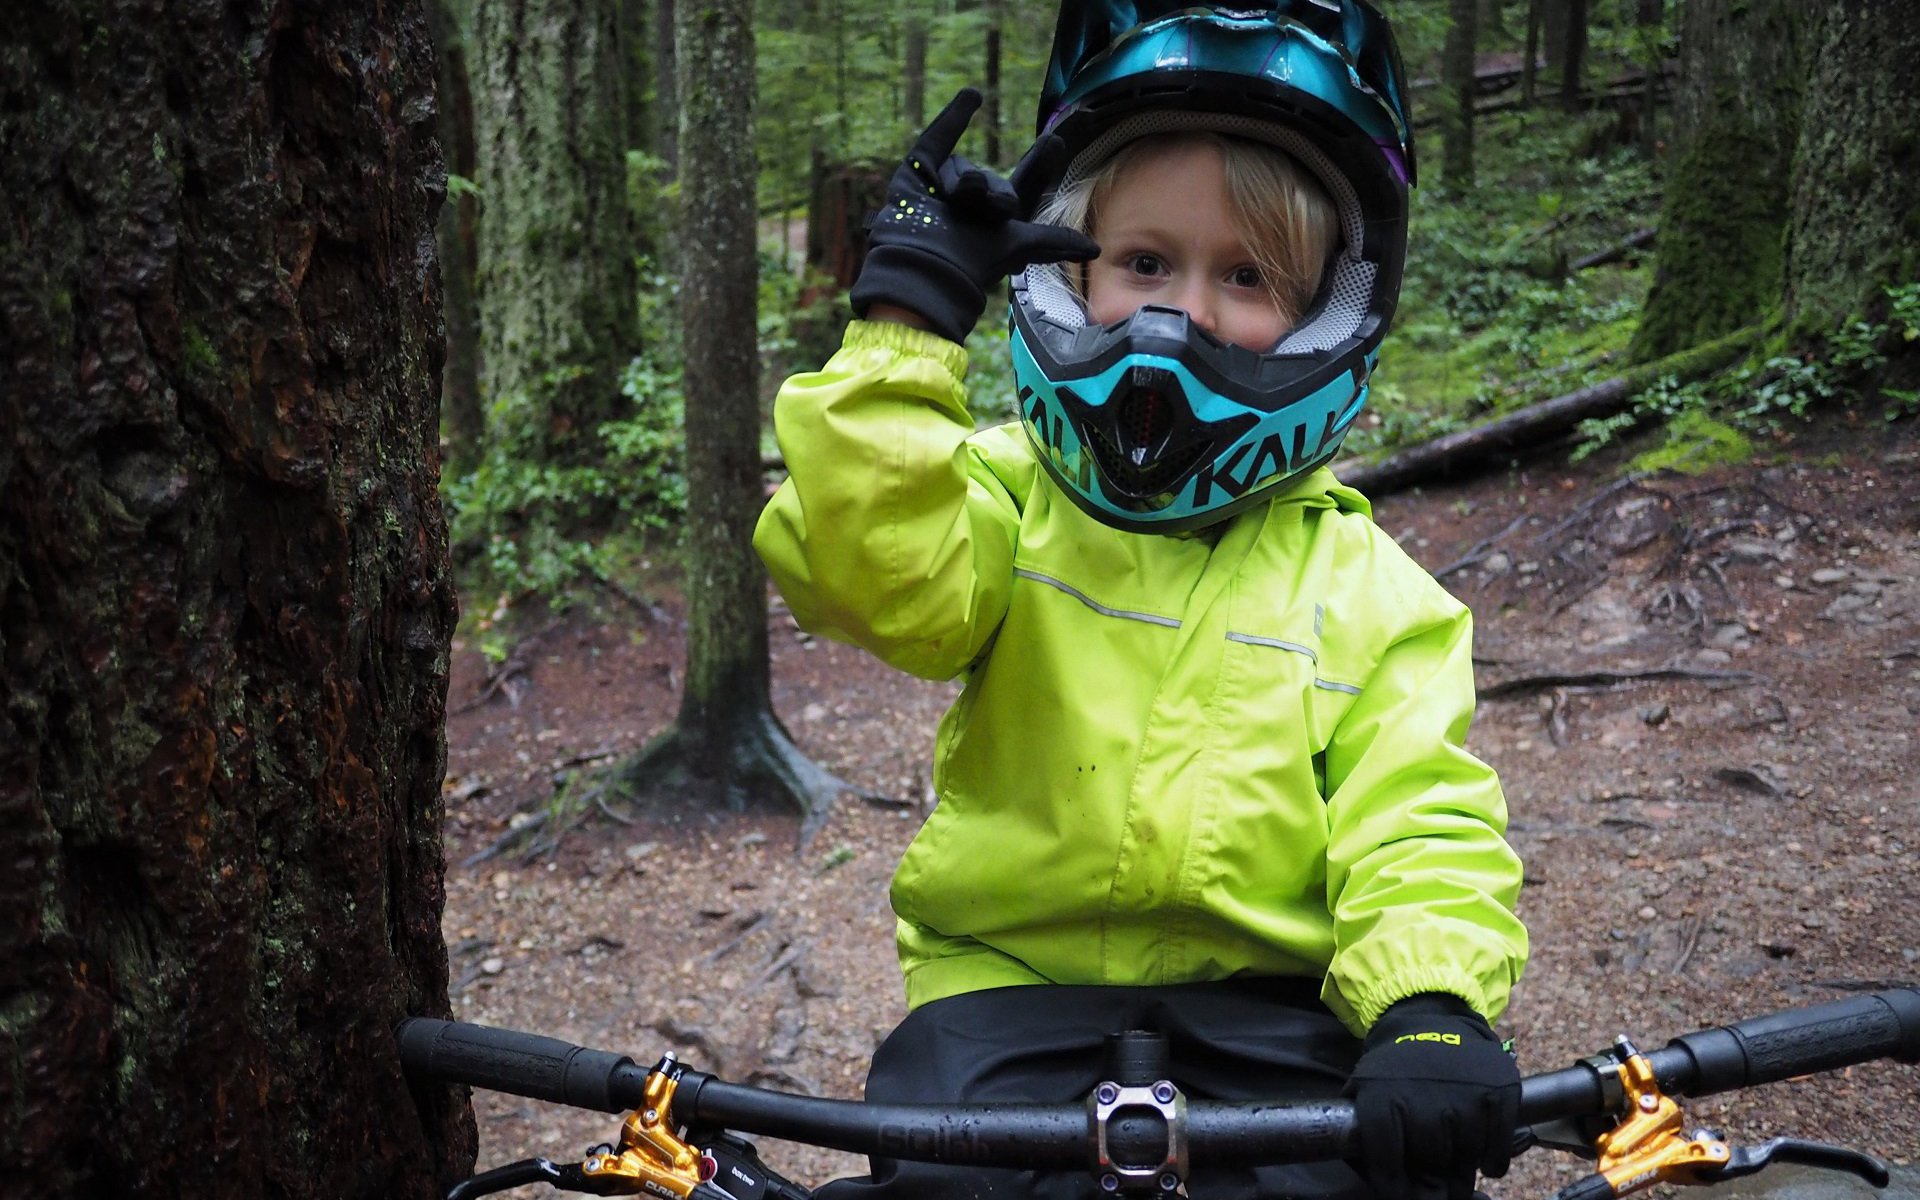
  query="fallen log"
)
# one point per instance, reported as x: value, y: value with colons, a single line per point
x: 1458, y: 454
x: 1639, y: 239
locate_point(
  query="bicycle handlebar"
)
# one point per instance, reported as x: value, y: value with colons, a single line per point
x: 1759, y: 1050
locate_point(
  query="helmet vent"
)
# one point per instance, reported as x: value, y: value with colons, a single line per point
x: 1138, y: 442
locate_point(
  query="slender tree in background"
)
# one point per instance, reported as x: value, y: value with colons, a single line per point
x: 1854, y: 203
x: 990, y: 111
x: 726, y: 740
x: 1530, y: 64
x: 556, y: 280
x: 913, y: 68
x: 1649, y: 21
x: 666, y: 86
x: 224, y: 601
x: 462, y: 421
x: 1573, y: 55
x: 1554, y: 16
x: 1491, y: 21
x: 1723, y: 223
x: 1459, y: 86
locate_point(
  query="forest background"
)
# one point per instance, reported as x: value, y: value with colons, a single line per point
x: 332, y: 334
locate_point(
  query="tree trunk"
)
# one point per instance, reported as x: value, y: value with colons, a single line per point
x: 1573, y: 55
x: 642, y: 131
x: 726, y: 744
x: 1530, y: 68
x: 1854, y: 211
x: 1648, y: 18
x: 1491, y: 20
x: 1457, y: 74
x: 726, y: 588
x: 1722, y: 225
x: 224, y: 601
x: 666, y: 86
x: 1553, y: 33
x: 990, y: 109
x: 914, y: 71
x: 557, y: 284
x: 461, y: 415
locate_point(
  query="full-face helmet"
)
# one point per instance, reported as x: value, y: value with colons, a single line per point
x: 1152, y: 424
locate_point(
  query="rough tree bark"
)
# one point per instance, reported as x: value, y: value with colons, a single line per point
x: 461, y: 417
x: 1854, y: 223
x: 1457, y: 75
x: 726, y: 741
x: 557, y: 284
x: 224, y: 601
x: 1723, y: 221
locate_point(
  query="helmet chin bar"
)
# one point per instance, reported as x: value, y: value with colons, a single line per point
x: 1155, y: 426
x: 1146, y: 438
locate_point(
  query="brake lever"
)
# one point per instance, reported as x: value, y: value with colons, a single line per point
x: 566, y: 1176
x: 1746, y: 1160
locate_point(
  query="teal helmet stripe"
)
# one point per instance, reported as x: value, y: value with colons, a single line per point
x: 1277, y: 446
x: 1269, y: 47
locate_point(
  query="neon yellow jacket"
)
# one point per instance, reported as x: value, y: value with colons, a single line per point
x: 1174, y: 758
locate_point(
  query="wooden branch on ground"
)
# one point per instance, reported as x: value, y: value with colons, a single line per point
x: 1458, y: 454
x: 1639, y: 239
x: 1526, y: 685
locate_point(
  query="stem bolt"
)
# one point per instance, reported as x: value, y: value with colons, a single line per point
x: 1109, y: 1183
x: 1163, y: 1092
x: 1107, y: 1095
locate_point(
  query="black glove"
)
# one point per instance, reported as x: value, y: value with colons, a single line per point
x: 949, y: 230
x: 1436, y: 1096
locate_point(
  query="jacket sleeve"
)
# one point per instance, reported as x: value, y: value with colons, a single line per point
x: 891, y: 530
x: 1420, y: 879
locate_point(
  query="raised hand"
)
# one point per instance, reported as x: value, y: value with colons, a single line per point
x: 950, y: 229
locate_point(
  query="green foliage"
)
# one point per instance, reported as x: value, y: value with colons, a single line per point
x: 1904, y: 311
x: 1694, y: 443
x: 1490, y: 317
x: 1712, y: 421
x: 509, y: 515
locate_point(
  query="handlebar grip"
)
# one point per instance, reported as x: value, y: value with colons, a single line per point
x: 523, y: 1064
x: 1803, y: 1041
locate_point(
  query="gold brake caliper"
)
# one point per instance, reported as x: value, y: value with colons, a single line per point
x: 1649, y: 1146
x: 650, y: 1157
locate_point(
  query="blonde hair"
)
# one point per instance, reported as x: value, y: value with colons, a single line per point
x: 1279, y: 210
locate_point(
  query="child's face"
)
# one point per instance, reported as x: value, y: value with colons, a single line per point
x: 1166, y: 237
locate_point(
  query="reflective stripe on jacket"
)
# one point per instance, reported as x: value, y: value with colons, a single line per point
x: 1174, y: 758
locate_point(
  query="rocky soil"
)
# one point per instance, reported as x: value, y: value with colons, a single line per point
x: 1703, y: 694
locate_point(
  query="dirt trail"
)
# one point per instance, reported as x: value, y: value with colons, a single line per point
x: 1702, y: 694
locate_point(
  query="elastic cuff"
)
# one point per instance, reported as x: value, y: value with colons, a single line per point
x: 1371, y: 1004
x: 906, y: 340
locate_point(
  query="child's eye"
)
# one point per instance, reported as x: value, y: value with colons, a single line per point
x: 1247, y: 277
x: 1148, y: 265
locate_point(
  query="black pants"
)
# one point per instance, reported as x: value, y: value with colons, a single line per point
x: 1264, y: 1039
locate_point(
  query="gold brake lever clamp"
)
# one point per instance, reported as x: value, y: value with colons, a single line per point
x: 651, y: 1157
x: 1650, y: 1144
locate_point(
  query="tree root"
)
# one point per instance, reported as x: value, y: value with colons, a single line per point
x: 758, y: 762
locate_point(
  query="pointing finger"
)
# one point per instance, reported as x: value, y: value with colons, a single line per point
x: 944, y: 134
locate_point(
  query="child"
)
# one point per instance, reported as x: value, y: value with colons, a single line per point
x: 1205, y: 776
